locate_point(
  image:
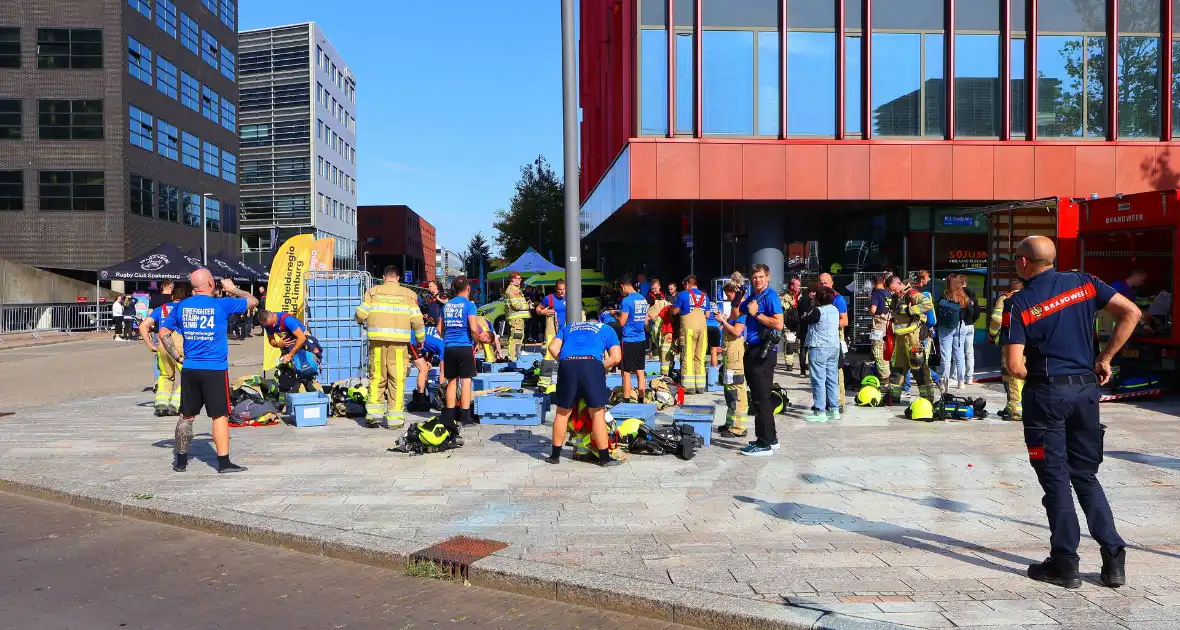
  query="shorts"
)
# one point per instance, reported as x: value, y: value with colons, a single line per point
x: 204, y: 388
x: 458, y: 362
x: 634, y: 356
x: 583, y: 379
x: 714, y: 335
x: 618, y: 328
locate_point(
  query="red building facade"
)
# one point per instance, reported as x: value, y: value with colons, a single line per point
x: 396, y: 235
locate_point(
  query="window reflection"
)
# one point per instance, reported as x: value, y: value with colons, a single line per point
x: 653, y: 82
x: 977, y: 85
x: 811, y: 83
x: 853, y: 99
x: 1139, y: 68
x: 934, y: 79
x: 908, y: 84
x: 684, y: 83
x: 1071, y: 100
x: 728, y: 83
x: 1019, y: 113
x: 768, y: 88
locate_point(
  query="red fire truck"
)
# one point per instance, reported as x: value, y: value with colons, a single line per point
x: 1127, y: 233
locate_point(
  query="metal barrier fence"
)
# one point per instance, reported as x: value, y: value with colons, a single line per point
x: 332, y: 298
x: 39, y: 319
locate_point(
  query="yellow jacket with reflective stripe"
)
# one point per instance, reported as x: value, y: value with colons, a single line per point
x: 391, y: 313
x: 996, y: 321
x: 515, y: 306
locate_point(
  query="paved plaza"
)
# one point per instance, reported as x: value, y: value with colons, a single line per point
x: 874, y: 517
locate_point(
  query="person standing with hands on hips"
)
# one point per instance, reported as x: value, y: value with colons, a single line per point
x: 1047, y: 339
x: 204, y: 380
x: 764, y: 324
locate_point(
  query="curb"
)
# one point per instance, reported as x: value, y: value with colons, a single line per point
x: 50, y: 342
x: 670, y: 603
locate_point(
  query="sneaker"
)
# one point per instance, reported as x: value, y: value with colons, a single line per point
x: 835, y: 414
x: 816, y: 416
x: 757, y: 450
x: 1057, y: 571
x: 231, y: 468
x: 774, y: 446
x: 1114, y: 569
x: 179, y: 462
x: 553, y: 460
x: 372, y: 423
x: 962, y: 385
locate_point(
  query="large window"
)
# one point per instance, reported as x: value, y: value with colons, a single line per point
x: 811, y: 69
x: 190, y: 150
x: 166, y: 16
x: 168, y: 140
x: 190, y: 92
x: 228, y: 65
x: 685, y: 107
x: 229, y: 167
x: 653, y: 81
x: 727, y: 83
x: 168, y: 208
x: 212, y: 159
x: 141, y: 197
x: 12, y: 190
x: 9, y: 47
x: 908, y: 68
x: 139, y: 60
x: 69, y: 48
x: 853, y: 72
x: 73, y: 191
x: 210, y: 49
x: 10, y: 119
x: 69, y: 120
x: 166, y: 78
x: 213, y: 214
x: 142, y: 6
x: 1071, y: 68
x: 191, y: 203
x: 210, y: 104
x: 978, y: 96
x: 1019, y: 63
x: 189, y: 32
x: 140, y: 123
x: 229, y: 15
x: 1139, y: 69
x: 740, y: 69
x: 229, y: 115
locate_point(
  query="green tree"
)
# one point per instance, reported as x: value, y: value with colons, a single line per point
x: 534, y: 217
x: 477, y: 249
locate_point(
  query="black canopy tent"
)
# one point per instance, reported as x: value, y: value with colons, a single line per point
x: 165, y: 262
x: 222, y: 268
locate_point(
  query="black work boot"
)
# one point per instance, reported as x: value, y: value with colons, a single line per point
x: 179, y: 462
x: 1057, y: 571
x: 1114, y: 568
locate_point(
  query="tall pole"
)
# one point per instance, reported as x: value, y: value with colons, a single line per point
x: 573, y: 234
x: 204, y: 232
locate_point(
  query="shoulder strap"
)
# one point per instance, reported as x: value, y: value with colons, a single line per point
x: 692, y: 297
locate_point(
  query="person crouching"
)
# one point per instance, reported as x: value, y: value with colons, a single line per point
x: 581, y: 375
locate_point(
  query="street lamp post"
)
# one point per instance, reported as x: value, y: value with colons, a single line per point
x: 573, y: 235
x: 204, y: 231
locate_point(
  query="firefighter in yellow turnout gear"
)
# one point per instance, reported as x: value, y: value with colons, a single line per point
x: 517, y: 313
x: 908, y: 310
x: 691, y: 305
x: 733, y: 372
x: 879, y: 309
x: 390, y: 313
x: 168, y: 383
x: 660, y: 328
x: 1012, y: 385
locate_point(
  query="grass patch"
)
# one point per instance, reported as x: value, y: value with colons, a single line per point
x: 427, y: 570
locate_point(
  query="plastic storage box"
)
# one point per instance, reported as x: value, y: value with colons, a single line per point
x: 495, y: 368
x: 644, y: 412
x: 615, y: 379
x: 485, y: 381
x: 713, y: 379
x: 514, y: 409
x: 309, y: 409
x: 652, y: 367
x: 330, y: 318
x: 700, y: 417
x: 526, y: 360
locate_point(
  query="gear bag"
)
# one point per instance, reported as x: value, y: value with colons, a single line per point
x: 432, y: 436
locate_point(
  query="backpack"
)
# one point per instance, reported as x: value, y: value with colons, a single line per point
x: 949, y: 314
x: 432, y: 436
x: 680, y: 440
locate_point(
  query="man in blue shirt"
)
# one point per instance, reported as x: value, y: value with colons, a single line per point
x: 432, y: 347
x: 1047, y: 336
x: 286, y: 332
x: 581, y: 378
x: 552, y: 308
x: 764, y: 311
x: 633, y: 317
x: 203, y: 320
x: 825, y: 280
x: 1126, y: 288
x: 460, y: 327
x: 691, y: 305
x: 642, y: 285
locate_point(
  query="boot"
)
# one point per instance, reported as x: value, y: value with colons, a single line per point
x: 1061, y: 572
x: 1114, y: 568
x: 161, y: 412
x: 466, y: 418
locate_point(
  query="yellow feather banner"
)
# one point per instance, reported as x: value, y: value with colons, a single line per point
x: 285, y: 293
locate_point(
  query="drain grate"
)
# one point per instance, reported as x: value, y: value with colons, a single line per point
x: 455, y: 555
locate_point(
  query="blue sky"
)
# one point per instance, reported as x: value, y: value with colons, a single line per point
x: 452, y: 97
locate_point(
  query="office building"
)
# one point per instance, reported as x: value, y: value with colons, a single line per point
x: 396, y: 235
x: 298, y: 133
x: 118, y: 126
x: 448, y: 265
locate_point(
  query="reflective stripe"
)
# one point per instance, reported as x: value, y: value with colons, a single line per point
x: 391, y: 331
x: 362, y: 310
x: 400, y: 309
x: 518, y: 315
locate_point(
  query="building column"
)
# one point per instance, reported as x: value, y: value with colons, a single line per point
x: 765, y: 230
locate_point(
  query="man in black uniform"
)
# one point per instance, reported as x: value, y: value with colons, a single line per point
x: 1047, y: 335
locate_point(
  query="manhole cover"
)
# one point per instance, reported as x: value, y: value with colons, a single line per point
x: 456, y: 554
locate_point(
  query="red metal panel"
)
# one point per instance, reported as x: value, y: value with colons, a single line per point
x: 1094, y: 170
x: 1112, y: 70
x: 1139, y: 168
x: 1013, y: 171
x: 841, y: 52
x: 678, y: 170
x: 1006, y: 70
x: 1054, y: 169
x: 720, y: 171
x: 1167, y: 96
x: 949, y: 104
x: 644, y: 171
x: 866, y: 66
x: 1030, y: 72
x: 890, y: 171
x: 931, y: 176
x: 762, y: 175
x: 807, y: 171
x: 972, y: 175
x: 848, y: 171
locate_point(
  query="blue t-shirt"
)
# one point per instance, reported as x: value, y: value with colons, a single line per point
x: 1053, y: 318
x: 606, y: 318
x: 769, y: 305
x: 711, y: 316
x: 158, y: 315
x: 689, y: 301
x: 456, y: 331
x: 586, y: 339
x: 635, y: 306
x: 840, y: 304
x: 644, y: 287
x: 287, y: 323
x: 202, y: 320
x: 558, y: 305
x: 880, y: 299
x: 433, y: 343
x: 1124, y: 289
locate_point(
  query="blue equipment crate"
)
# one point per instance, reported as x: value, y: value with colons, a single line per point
x: 546, y: 401
x: 699, y: 417
x: 500, y: 379
x: 431, y: 376
x: 615, y: 379
x: 652, y: 367
x: 643, y: 411
x: 495, y: 368
x: 330, y: 318
x: 513, y: 409
x: 526, y: 360
x: 713, y: 379
x: 309, y: 409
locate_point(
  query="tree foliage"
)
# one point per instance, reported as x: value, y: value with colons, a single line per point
x: 534, y: 217
x: 477, y: 249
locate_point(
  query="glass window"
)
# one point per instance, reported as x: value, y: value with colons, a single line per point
x: 768, y: 83
x: 319, y: 129
x: 142, y: 6
x: 229, y: 115
x: 12, y: 190
x: 853, y: 99
x: 811, y: 83
x: 192, y: 208
x: 211, y: 5
x: 908, y: 15
x: 229, y: 167
x: 853, y: 14
x: 977, y: 15
x: 653, y: 13
x: 210, y: 50
x: 1019, y: 114
x: 685, y: 107
x: 69, y: 120
x: 166, y: 16
x: 191, y: 150
x: 977, y: 86
x: 1071, y: 99
x: 213, y: 214
x: 897, y: 84
x: 229, y: 14
x: 189, y: 33
x: 73, y: 191
x: 745, y: 13
x: 168, y: 208
x: 9, y: 47
x: 1139, y: 69
x: 228, y: 65
x: 1071, y: 16
x: 190, y: 92
x: 166, y: 79
x: 1019, y: 15
x: 141, y: 198
x: 140, y: 123
x: 653, y: 82
x: 69, y: 48
x: 139, y: 60
x: 210, y: 103
x: 167, y: 140
x: 10, y: 119
x: 212, y: 159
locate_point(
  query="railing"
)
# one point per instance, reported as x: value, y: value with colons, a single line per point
x: 68, y: 319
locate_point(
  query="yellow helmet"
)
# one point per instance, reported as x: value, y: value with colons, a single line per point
x: 433, y: 433
x: 836, y: 268
x: 871, y: 381
x: 630, y: 427
x: 868, y: 396
x: 920, y: 409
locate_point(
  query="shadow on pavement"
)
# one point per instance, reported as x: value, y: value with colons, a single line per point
x: 527, y: 442
x: 1159, y: 461
x: 201, y: 450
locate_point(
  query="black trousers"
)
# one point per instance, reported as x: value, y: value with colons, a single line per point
x: 760, y: 377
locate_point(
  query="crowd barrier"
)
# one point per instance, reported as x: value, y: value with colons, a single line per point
x: 332, y: 299
x: 39, y: 319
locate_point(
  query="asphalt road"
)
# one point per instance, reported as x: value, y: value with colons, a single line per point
x: 65, y: 568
